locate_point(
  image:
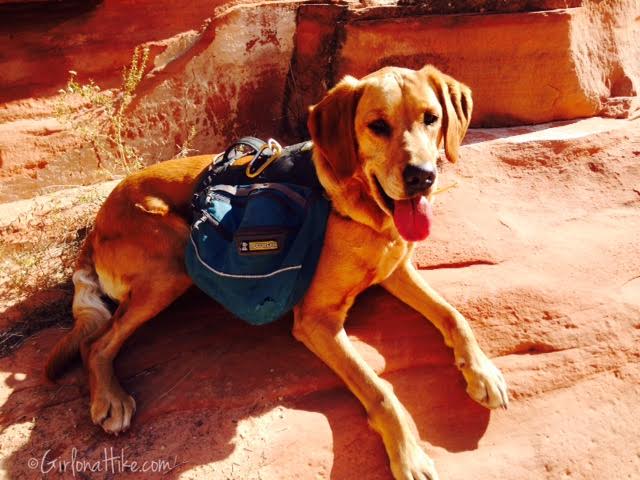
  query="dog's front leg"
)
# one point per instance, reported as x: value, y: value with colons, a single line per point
x: 326, y: 337
x: 485, y: 383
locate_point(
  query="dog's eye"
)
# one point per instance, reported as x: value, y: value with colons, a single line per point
x: 380, y: 127
x: 429, y: 118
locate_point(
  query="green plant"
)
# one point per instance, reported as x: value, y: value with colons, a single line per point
x: 185, y: 149
x: 99, y: 117
x: 38, y: 250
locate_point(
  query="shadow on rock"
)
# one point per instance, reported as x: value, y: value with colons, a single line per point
x: 197, y: 374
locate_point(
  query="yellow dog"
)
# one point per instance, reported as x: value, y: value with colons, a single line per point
x: 376, y: 143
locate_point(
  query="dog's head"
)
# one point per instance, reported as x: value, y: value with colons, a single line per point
x: 377, y: 141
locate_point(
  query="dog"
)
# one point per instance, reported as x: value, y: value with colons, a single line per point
x: 376, y: 146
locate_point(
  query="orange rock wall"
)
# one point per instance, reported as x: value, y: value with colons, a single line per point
x: 229, y: 82
x: 38, y: 46
x: 255, y: 68
x: 605, y: 43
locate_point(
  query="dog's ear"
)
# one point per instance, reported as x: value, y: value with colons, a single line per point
x: 331, y: 125
x: 457, y: 105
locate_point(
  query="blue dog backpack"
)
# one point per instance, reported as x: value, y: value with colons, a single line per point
x: 258, y: 229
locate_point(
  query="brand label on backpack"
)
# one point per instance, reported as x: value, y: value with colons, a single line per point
x: 257, y: 246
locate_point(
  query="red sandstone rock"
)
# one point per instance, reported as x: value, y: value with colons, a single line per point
x: 537, y: 246
x: 224, y: 80
x: 227, y: 80
x: 523, y: 68
x: 519, y: 66
x: 39, y: 47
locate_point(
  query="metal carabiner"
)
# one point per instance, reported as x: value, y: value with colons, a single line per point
x: 275, y: 147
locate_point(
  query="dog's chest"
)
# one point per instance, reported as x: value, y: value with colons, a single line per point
x: 392, y: 253
x: 358, y: 253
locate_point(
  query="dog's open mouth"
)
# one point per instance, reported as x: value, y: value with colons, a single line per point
x: 388, y: 201
x: 412, y: 216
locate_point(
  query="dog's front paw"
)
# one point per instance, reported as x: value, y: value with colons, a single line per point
x: 412, y: 463
x: 112, y: 410
x: 485, y: 383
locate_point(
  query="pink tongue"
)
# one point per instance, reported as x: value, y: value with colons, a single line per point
x: 413, y: 218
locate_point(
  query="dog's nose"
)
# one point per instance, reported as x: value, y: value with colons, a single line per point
x: 418, y: 179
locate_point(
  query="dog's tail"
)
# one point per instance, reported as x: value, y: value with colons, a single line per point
x: 89, y: 311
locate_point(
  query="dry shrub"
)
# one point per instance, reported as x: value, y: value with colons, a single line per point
x: 99, y: 117
x: 38, y: 250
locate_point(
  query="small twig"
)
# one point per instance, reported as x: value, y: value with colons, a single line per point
x: 444, y: 189
x: 174, y: 385
x: 630, y: 280
x: 175, y: 466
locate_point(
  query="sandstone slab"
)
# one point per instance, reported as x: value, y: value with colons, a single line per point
x: 523, y: 67
x: 537, y: 246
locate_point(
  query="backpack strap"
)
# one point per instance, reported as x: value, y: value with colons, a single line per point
x: 247, y: 190
x: 222, y: 163
x: 270, y: 163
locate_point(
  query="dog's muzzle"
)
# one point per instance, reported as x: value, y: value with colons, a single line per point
x: 418, y: 179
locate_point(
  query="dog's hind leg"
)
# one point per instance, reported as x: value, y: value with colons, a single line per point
x: 89, y: 311
x: 111, y: 407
